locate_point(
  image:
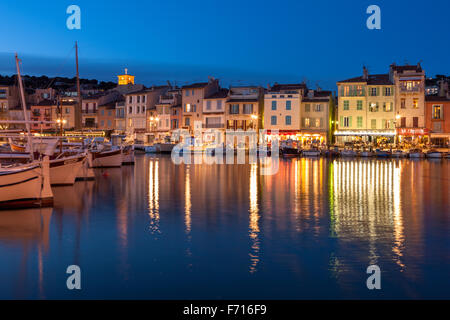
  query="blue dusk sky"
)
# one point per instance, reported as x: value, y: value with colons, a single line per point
x: 239, y: 42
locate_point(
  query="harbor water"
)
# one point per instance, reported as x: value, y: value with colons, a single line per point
x: 157, y: 230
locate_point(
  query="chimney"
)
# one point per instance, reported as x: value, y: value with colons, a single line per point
x: 365, y: 73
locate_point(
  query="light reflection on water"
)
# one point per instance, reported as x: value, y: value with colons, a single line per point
x: 157, y: 230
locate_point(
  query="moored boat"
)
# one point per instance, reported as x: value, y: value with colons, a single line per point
x: 64, y: 171
x: 128, y: 155
x: 313, y: 152
x: 416, y: 153
x: 107, y: 158
x: 434, y: 154
x: 398, y: 154
x: 164, y: 147
x: 382, y: 153
x: 26, y: 186
x: 348, y: 153
x: 290, y: 152
x: 366, y: 153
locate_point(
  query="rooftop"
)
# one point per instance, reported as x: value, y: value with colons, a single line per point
x: 195, y: 85
x: 221, y: 94
x: 373, y: 79
x: 289, y: 86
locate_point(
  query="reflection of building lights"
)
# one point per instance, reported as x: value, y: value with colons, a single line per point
x: 254, y: 217
x: 187, y: 200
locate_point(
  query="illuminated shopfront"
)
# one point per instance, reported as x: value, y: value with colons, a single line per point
x: 365, y: 136
x: 297, y: 135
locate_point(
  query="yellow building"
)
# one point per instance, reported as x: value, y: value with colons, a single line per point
x: 125, y: 79
x: 366, y: 108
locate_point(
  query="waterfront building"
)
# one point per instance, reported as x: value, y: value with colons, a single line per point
x: 437, y: 114
x: 366, y: 108
x: 90, y: 106
x: 409, y: 81
x: 317, y: 117
x: 89, y: 109
x: 48, y: 110
x: 9, y: 99
x: 176, y: 117
x: 120, y: 118
x: 140, y: 109
x: 244, y: 108
x: 160, y: 122
x: 282, y: 109
x: 214, y: 115
x: 192, y: 102
x: 106, y: 116
x: 43, y: 111
x: 67, y: 113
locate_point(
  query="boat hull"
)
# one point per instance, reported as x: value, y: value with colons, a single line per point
x: 65, y: 171
x: 310, y: 153
x: 416, y: 155
x: 434, y: 155
x: 128, y: 157
x: 107, y: 159
x: 25, y: 187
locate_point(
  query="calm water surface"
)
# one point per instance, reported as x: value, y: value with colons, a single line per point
x: 161, y: 231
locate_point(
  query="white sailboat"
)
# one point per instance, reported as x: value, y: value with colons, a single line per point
x: 26, y: 186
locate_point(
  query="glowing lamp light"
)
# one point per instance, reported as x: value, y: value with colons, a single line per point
x: 254, y: 116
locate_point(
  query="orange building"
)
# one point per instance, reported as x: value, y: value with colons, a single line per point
x: 437, y: 115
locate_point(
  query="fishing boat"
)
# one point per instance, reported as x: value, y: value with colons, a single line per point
x: 86, y: 172
x: 434, y: 154
x: 26, y: 186
x: 416, y: 153
x: 128, y: 155
x: 398, y: 154
x: 106, y: 158
x: 313, y: 152
x: 164, y: 147
x: 382, y: 153
x: 16, y: 147
x: 366, y: 153
x: 64, y: 171
x: 350, y: 153
x: 290, y: 152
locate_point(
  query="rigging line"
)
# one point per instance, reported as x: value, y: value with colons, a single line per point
x: 60, y: 67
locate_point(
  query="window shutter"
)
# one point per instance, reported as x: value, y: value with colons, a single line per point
x: 341, y: 122
x: 350, y: 121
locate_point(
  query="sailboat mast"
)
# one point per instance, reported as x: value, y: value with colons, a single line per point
x: 79, y: 113
x: 22, y: 96
x: 24, y: 106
